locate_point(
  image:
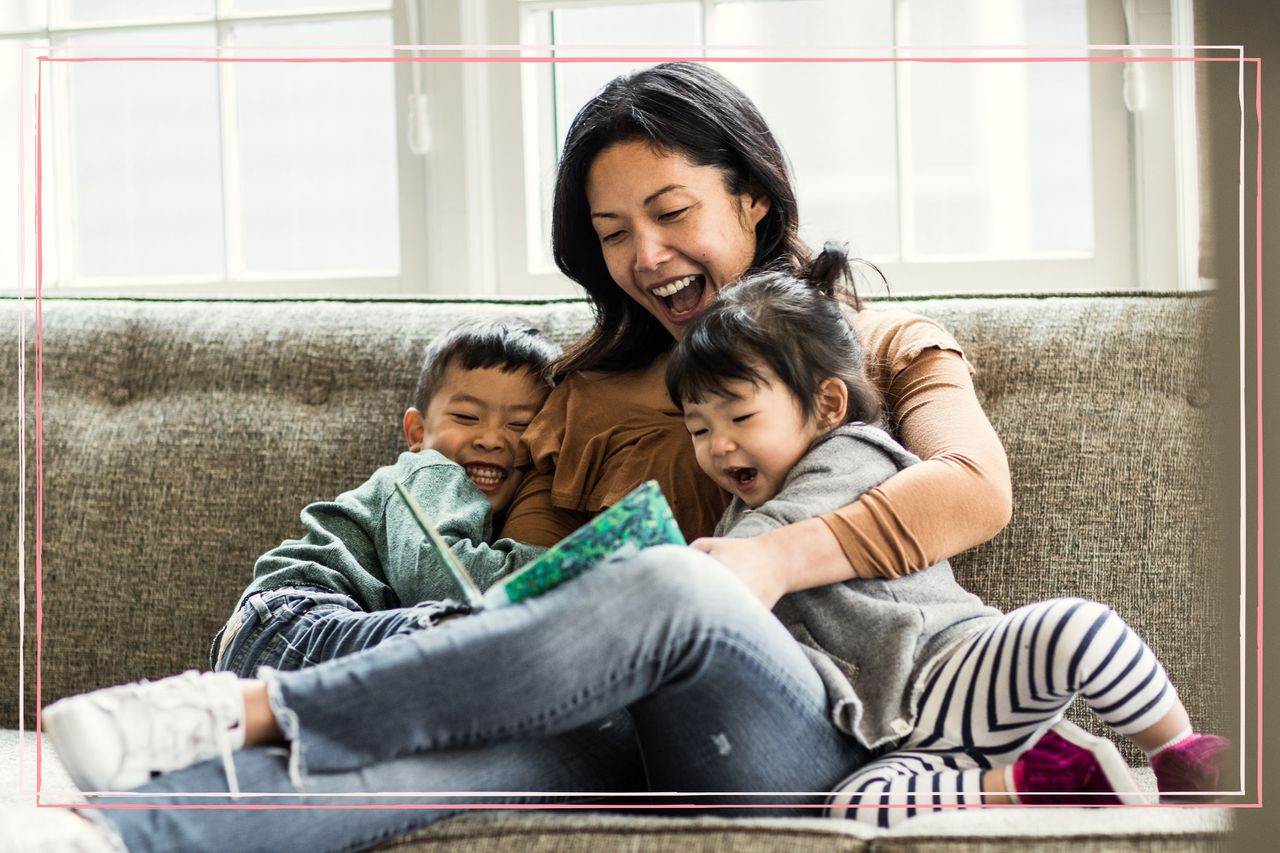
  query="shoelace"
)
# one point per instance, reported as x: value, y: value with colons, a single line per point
x: 184, y: 741
x: 222, y: 734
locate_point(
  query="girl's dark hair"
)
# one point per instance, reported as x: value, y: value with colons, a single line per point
x: 508, y: 344
x: 796, y: 328
x: 683, y: 108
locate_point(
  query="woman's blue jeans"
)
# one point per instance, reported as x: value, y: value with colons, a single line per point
x: 527, y: 701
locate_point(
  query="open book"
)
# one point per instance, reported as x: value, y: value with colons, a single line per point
x: 641, y: 519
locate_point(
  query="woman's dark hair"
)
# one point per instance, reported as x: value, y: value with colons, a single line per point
x: 509, y: 344
x: 796, y: 328
x: 684, y: 108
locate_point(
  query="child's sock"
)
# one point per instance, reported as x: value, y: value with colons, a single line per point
x: 1173, y: 741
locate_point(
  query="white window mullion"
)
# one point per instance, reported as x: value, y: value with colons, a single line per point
x: 1186, y: 148
x: 411, y: 178
x: 902, y: 131
x: 232, y: 243
x: 63, y: 191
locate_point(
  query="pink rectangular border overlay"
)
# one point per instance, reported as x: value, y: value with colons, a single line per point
x: 39, y: 266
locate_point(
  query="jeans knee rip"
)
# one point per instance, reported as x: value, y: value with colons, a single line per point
x: 287, y: 720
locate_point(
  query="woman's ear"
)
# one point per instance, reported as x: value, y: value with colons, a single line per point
x: 414, y: 429
x: 755, y: 205
x: 833, y: 402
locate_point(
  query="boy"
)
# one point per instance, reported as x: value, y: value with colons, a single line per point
x: 362, y: 573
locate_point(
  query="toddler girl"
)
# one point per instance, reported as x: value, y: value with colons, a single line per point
x: 769, y: 380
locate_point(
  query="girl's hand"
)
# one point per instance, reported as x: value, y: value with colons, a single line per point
x: 752, y: 561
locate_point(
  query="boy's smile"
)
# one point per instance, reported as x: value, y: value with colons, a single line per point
x: 475, y: 418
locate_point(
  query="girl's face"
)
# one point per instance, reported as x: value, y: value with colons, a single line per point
x: 748, y: 441
x: 672, y: 235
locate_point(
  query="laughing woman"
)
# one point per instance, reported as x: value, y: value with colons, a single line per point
x: 667, y: 673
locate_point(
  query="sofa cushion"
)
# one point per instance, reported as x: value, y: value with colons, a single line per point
x: 181, y: 438
x: 571, y: 831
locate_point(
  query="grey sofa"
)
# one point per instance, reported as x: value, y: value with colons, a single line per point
x: 180, y: 439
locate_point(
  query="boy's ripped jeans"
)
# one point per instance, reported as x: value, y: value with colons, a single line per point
x: 295, y: 627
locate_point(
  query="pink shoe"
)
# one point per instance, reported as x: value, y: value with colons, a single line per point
x: 1193, y: 766
x: 1069, y: 766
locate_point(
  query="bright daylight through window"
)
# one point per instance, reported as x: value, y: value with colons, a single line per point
x: 265, y: 178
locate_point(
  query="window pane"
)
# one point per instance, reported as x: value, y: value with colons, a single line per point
x: 999, y: 154
x: 17, y: 220
x: 145, y: 163
x: 316, y: 151
x: 835, y: 121
x: 267, y: 7
x: 17, y: 15
x: 647, y: 24
x: 71, y: 13
x: 562, y: 88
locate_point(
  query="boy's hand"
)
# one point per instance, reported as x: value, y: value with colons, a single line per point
x: 752, y: 561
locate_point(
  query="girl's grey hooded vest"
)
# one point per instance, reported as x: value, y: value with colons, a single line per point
x: 872, y: 641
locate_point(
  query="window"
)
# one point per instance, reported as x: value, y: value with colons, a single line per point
x: 238, y: 178
x: 282, y: 178
x: 950, y: 176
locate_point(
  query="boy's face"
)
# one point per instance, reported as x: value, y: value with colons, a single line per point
x: 749, y: 441
x: 475, y: 419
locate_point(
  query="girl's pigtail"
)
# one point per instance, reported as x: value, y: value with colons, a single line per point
x: 831, y: 274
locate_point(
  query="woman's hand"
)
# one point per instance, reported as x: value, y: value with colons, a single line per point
x: 798, y: 556
x: 753, y: 561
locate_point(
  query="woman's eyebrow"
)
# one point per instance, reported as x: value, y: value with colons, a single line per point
x: 668, y: 188
x: 649, y: 199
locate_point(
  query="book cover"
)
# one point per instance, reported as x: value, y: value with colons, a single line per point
x: 641, y: 519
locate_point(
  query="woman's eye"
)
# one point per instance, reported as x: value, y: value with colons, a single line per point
x: 612, y: 237
x: 672, y: 215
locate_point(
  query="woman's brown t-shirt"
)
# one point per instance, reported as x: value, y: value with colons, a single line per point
x: 602, y: 434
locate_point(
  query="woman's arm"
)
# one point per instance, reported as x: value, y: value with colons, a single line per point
x: 958, y: 497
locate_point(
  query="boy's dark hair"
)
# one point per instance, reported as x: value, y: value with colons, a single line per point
x: 508, y: 344
x: 795, y: 328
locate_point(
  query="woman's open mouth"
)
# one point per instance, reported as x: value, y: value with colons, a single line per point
x: 486, y: 477
x: 682, y: 296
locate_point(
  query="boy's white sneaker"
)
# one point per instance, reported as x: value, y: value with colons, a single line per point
x: 27, y: 829
x: 117, y: 738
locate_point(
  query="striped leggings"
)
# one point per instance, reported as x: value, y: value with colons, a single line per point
x: 993, y: 695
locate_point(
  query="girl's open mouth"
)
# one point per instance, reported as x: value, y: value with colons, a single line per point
x: 486, y: 477
x: 744, y: 478
x: 683, y: 295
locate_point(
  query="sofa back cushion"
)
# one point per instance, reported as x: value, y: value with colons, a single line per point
x: 180, y: 440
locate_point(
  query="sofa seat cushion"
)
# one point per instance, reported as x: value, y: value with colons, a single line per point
x: 573, y: 831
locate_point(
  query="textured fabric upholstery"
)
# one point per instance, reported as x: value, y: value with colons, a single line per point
x: 180, y: 439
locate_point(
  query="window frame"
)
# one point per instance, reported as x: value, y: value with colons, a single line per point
x: 60, y: 274
x: 478, y: 238
x: 1135, y: 217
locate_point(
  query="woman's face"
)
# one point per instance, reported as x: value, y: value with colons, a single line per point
x: 671, y: 233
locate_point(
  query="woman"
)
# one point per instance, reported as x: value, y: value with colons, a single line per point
x: 661, y: 674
